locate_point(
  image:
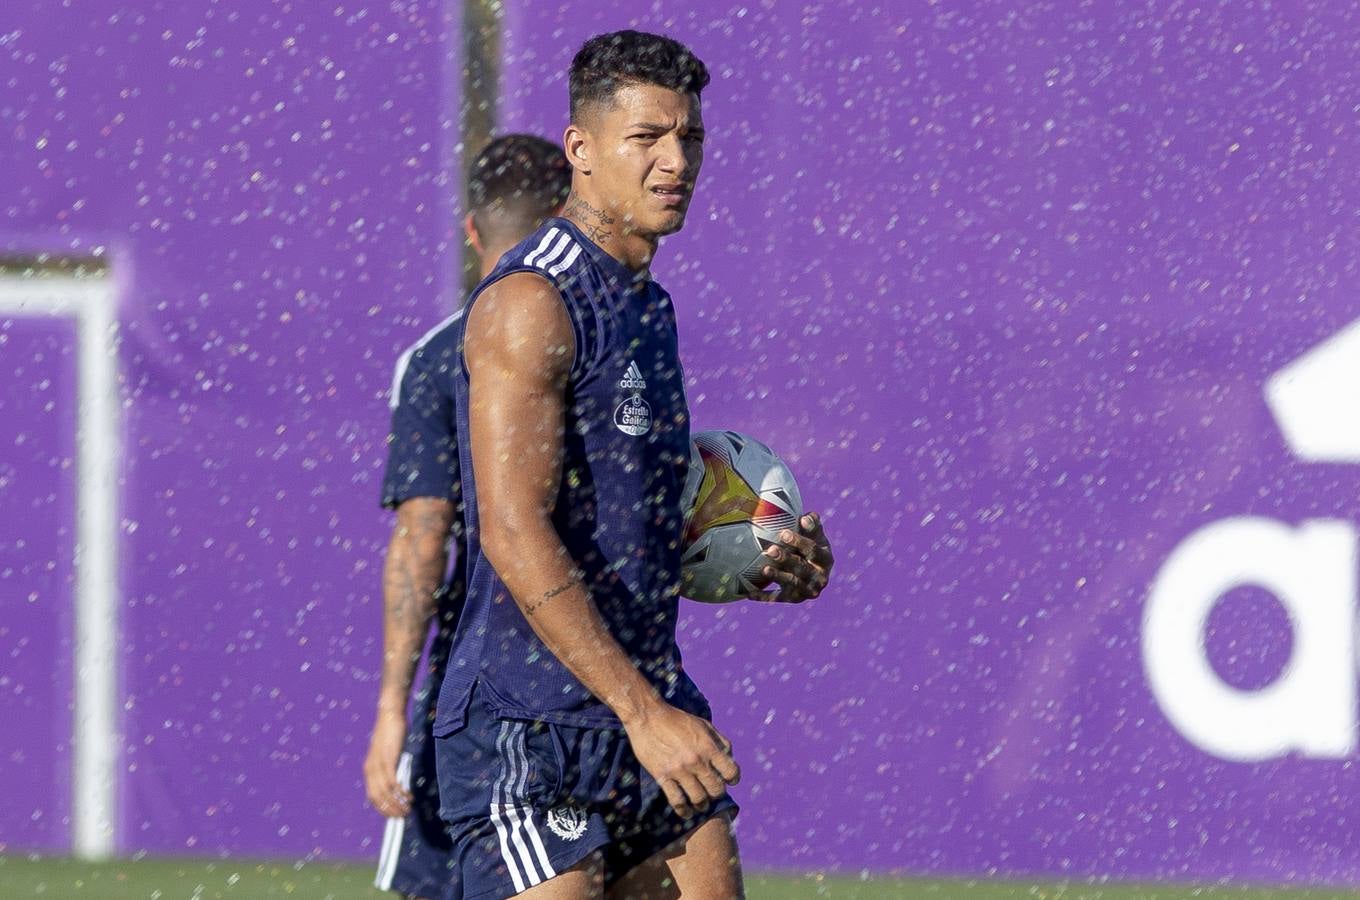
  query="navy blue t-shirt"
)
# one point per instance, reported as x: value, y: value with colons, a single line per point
x: 422, y: 461
x: 618, y: 507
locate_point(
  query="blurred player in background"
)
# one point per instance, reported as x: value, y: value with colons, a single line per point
x: 516, y: 183
x: 577, y: 759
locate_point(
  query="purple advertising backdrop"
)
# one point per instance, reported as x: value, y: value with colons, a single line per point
x: 271, y: 183
x: 1004, y: 287
x: 37, y: 537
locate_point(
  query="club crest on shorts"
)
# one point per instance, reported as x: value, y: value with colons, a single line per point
x: 633, y: 416
x: 567, y: 822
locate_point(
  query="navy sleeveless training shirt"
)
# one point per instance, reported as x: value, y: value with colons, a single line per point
x: 618, y: 507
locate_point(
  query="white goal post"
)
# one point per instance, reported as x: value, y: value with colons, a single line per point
x: 89, y: 299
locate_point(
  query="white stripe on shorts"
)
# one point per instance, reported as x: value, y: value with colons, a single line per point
x: 504, y: 830
x: 393, y: 833
x: 519, y: 774
x: 529, y: 827
x: 514, y: 813
x: 515, y: 821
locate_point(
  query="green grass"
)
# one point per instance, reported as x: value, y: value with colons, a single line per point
x: 167, y: 879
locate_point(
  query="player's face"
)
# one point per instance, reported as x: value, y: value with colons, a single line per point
x: 649, y: 145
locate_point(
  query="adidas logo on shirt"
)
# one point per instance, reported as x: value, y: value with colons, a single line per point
x: 633, y: 379
x: 633, y: 416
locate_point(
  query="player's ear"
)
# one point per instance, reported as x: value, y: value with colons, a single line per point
x: 470, y: 229
x: 576, y: 144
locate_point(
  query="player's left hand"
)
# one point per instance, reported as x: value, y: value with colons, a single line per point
x: 380, y: 767
x: 800, y: 564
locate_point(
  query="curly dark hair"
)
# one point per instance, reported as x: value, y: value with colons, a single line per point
x: 518, y: 180
x: 607, y: 62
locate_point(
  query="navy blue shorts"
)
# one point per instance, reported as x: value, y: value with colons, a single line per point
x: 528, y: 800
x: 417, y: 852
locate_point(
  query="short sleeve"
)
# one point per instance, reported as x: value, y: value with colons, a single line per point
x: 422, y: 450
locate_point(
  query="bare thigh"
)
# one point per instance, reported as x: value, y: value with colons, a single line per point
x: 583, y: 881
x: 702, y: 865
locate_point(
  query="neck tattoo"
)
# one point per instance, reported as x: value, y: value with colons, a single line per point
x: 596, y: 223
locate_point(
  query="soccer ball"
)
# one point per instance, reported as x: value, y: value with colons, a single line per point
x: 738, y: 496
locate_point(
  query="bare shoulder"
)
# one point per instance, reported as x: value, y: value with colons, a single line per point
x: 520, y: 323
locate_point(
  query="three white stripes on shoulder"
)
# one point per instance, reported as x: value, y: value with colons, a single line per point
x: 548, y: 259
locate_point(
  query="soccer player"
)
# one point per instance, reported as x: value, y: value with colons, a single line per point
x: 516, y: 183
x: 576, y: 757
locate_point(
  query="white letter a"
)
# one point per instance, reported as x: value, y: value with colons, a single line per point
x: 1310, y: 708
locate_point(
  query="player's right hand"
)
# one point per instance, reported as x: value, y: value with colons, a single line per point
x: 686, y: 755
x: 380, y: 767
x: 800, y: 564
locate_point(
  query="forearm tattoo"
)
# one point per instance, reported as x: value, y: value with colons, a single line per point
x: 412, y: 575
x: 548, y: 595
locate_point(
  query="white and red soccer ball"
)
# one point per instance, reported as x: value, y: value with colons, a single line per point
x: 738, y: 497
